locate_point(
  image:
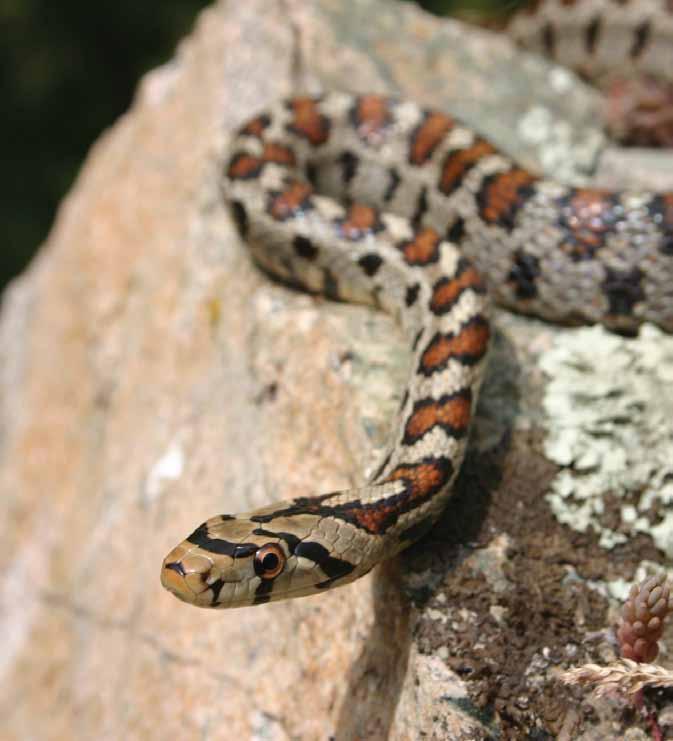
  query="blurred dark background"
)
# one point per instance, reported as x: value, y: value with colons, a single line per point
x: 68, y: 69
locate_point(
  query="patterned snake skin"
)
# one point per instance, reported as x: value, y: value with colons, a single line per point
x: 378, y: 201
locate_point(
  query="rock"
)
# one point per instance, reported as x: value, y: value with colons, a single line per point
x: 151, y: 378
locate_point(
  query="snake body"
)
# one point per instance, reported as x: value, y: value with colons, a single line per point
x: 379, y: 201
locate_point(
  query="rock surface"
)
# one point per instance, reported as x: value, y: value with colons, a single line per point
x: 151, y: 377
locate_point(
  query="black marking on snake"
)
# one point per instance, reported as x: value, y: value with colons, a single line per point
x: 412, y: 294
x: 421, y: 207
x: 349, y: 166
x: 263, y: 592
x: 177, y: 567
x: 303, y: 247
x: 291, y: 540
x: 416, y: 340
x: 592, y: 34
x: 300, y: 505
x: 370, y: 263
x: 311, y: 171
x: 244, y: 550
x: 375, y: 295
x: 456, y: 231
x: 201, y: 538
x: 330, y: 285
x: 404, y: 399
x: 623, y: 290
x: 333, y: 567
x: 524, y: 273
x: 216, y: 588
x: 383, y: 465
x: 392, y: 186
x: 227, y: 518
x: 354, y: 114
x: 252, y: 128
x: 640, y: 39
x: 240, y: 216
x: 548, y: 39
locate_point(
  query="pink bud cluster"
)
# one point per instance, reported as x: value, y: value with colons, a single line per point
x: 643, y: 619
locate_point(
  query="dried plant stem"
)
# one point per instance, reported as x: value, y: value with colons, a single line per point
x: 623, y: 676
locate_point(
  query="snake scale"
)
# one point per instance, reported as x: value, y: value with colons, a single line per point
x: 379, y: 201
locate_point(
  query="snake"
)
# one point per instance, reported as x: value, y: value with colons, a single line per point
x: 376, y: 200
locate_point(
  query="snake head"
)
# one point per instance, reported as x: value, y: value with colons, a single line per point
x: 236, y: 561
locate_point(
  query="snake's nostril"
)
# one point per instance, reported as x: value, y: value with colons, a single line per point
x: 176, y: 566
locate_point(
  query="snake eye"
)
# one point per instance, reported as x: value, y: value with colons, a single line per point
x: 269, y: 561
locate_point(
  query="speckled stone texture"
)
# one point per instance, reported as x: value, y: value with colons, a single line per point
x: 151, y: 377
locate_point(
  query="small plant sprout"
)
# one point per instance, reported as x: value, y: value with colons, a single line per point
x: 643, y: 619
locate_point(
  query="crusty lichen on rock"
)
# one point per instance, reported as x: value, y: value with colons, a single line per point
x: 610, y: 425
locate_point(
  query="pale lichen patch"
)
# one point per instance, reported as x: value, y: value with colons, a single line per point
x: 610, y: 425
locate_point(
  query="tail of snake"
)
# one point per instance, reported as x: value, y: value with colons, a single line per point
x: 378, y: 201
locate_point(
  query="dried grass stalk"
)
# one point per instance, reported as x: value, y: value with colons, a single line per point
x: 623, y: 676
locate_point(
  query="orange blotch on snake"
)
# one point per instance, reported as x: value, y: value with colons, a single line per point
x: 469, y: 346
x: 360, y: 220
x: 256, y: 126
x: 503, y: 194
x: 243, y: 166
x: 446, y: 291
x: 279, y: 154
x: 428, y: 136
x: 423, y: 248
x: 452, y: 413
x: 424, y: 478
x: 371, y: 116
x: 588, y: 217
x: 308, y: 122
x: 375, y: 519
x: 296, y: 197
x: 457, y: 164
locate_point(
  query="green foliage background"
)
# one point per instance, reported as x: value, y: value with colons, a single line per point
x: 68, y: 69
